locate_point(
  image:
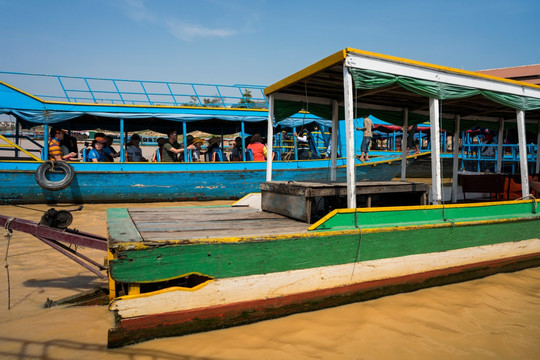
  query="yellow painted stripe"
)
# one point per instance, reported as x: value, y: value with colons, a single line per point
x: 151, y: 106
x: 164, y: 291
x: 125, y: 105
x: 242, y: 198
x: 424, y: 207
x: 22, y: 92
x: 333, y: 213
x: 13, y: 145
x: 310, y: 70
x: 227, y: 240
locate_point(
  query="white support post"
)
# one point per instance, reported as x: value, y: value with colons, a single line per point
x: 334, y: 137
x: 500, y: 152
x: 45, y: 151
x: 123, y: 136
x: 436, y: 188
x: 270, y: 138
x: 455, y: 164
x: 537, y: 168
x: 522, y: 153
x: 349, y: 132
x: 404, y: 146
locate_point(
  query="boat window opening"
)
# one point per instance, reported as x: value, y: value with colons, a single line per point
x: 190, y: 281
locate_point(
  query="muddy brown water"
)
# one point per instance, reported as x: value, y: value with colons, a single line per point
x: 497, y: 317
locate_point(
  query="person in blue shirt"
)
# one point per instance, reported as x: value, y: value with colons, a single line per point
x: 96, y: 154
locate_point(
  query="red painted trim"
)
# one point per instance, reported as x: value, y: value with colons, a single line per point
x: 231, y: 310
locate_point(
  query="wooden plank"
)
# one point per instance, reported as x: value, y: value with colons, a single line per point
x: 189, y: 223
x: 121, y: 227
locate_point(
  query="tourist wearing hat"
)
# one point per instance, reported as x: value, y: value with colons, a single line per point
x: 97, y: 154
x: 196, y: 149
x: 55, y: 149
x: 134, y: 152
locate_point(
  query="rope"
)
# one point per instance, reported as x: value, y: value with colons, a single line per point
x: 359, y: 242
x: 8, y: 234
x: 441, y: 163
x: 530, y: 196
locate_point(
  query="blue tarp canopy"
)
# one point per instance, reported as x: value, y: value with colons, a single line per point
x: 160, y: 122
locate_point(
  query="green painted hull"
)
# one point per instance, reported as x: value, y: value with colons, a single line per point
x: 382, y: 234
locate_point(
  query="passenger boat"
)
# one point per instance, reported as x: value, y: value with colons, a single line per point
x: 135, y: 182
x: 198, y: 269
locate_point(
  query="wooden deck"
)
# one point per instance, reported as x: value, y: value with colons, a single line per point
x: 196, y: 224
x: 303, y: 200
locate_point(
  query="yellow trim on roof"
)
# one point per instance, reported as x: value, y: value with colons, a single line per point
x: 126, y: 105
x: 440, y: 67
x: 310, y: 70
x: 22, y: 92
x: 342, y: 54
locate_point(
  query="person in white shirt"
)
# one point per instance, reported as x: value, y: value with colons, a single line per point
x: 134, y: 152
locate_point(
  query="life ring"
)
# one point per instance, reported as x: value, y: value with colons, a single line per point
x: 54, y: 166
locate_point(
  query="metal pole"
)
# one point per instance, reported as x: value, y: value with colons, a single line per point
x: 349, y: 131
x: 122, y: 141
x: 522, y: 153
x: 334, y: 136
x: 243, y: 142
x: 537, y: 169
x: 404, y: 146
x: 45, y: 153
x: 269, y: 138
x: 184, y: 134
x: 436, y: 187
x: 455, y: 164
x: 500, y: 152
x: 17, y: 134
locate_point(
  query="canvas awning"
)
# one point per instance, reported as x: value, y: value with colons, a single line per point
x: 354, y: 83
x: 479, y: 99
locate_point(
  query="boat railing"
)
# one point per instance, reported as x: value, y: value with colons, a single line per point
x: 8, y: 145
x: 77, y: 89
x: 475, y: 158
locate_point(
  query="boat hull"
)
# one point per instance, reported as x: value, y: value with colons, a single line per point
x: 250, y: 279
x: 144, y: 182
x: 183, y: 322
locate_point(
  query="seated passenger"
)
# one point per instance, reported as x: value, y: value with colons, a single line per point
x: 236, y: 154
x: 108, y: 150
x: 96, y: 154
x: 55, y: 149
x: 171, y: 148
x: 160, y: 142
x: 68, y: 146
x: 134, y: 151
x: 213, y: 149
x: 258, y: 149
x: 189, y: 142
x: 196, y: 149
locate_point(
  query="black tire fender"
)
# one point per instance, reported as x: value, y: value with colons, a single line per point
x: 56, y: 166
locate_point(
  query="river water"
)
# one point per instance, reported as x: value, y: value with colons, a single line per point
x: 497, y: 317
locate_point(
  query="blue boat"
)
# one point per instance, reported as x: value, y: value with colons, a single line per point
x: 245, y: 112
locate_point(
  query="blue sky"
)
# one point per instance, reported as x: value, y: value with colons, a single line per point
x: 258, y: 41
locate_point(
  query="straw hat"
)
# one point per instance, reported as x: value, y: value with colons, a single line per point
x: 197, y: 140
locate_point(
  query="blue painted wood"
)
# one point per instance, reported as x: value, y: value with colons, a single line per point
x: 135, y: 182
